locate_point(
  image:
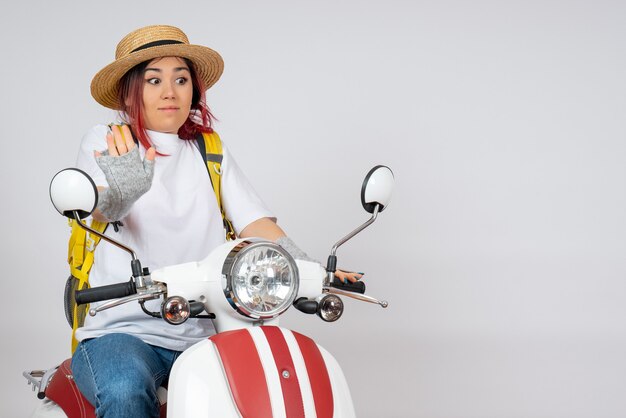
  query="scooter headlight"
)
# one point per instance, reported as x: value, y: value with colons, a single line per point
x: 261, y: 279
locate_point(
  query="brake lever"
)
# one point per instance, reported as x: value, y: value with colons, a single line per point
x: 358, y: 296
x: 149, y: 292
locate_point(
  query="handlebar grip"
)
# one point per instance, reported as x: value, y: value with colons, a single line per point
x: 111, y: 291
x: 356, y: 287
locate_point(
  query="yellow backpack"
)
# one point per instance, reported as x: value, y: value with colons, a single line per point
x: 82, y: 244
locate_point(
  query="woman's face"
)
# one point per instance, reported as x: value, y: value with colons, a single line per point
x: 167, y: 94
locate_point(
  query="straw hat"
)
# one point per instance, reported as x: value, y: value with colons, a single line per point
x: 145, y: 44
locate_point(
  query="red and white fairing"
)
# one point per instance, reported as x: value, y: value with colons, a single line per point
x: 264, y: 371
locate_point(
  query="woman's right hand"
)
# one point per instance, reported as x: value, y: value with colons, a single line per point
x: 120, y: 141
x: 127, y: 175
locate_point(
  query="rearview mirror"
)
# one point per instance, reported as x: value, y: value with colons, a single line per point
x: 73, y: 191
x: 377, y: 188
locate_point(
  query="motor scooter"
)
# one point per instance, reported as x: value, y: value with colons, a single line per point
x: 251, y: 367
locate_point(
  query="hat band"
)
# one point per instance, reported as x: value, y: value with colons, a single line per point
x: 156, y: 43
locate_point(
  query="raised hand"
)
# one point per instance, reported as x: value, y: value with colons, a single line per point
x: 128, y: 176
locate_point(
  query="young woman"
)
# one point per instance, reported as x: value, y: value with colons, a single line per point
x: 153, y: 179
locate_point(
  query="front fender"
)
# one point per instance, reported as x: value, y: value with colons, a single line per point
x: 255, y: 372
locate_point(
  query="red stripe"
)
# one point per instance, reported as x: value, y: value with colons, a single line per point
x: 318, y: 376
x: 244, y: 372
x: 294, y: 406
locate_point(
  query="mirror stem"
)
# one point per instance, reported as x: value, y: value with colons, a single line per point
x: 342, y: 241
x: 107, y: 239
x: 135, y: 264
x: 331, y: 265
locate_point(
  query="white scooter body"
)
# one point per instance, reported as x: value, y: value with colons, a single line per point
x: 198, y: 384
x: 251, y: 367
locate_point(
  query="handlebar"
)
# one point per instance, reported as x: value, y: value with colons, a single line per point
x: 111, y: 291
x: 356, y: 287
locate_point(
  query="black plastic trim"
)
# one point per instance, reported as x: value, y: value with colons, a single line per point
x: 305, y: 305
x: 356, y: 287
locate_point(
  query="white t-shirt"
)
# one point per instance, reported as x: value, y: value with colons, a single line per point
x: 176, y: 221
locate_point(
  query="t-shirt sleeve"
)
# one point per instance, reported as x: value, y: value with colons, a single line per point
x: 94, y: 140
x: 241, y: 202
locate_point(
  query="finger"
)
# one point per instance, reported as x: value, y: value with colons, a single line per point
x: 350, y: 276
x: 120, y: 144
x: 97, y: 154
x: 150, y: 154
x: 341, y: 275
x: 128, y: 137
x: 111, y: 145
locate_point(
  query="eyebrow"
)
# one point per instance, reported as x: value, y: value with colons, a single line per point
x: 158, y: 70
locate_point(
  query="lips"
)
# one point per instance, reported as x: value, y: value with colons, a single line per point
x: 170, y: 108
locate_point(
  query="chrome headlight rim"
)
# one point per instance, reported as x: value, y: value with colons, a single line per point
x: 228, y: 276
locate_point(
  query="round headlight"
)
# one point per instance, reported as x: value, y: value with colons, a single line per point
x: 261, y: 279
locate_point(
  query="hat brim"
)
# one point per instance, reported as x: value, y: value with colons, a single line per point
x: 208, y: 64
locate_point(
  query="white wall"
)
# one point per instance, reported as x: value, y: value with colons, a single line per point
x: 502, y: 252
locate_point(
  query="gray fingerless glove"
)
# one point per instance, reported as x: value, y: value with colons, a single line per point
x: 293, y: 249
x: 128, y: 177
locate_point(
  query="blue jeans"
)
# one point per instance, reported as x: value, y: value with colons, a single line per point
x: 119, y: 374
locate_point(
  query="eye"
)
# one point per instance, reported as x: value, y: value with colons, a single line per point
x: 154, y: 81
x: 181, y: 80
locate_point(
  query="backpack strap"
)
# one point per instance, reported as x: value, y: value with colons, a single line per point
x: 81, y: 247
x: 210, y: 146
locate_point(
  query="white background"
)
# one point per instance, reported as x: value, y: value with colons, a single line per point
x: 503, y: 251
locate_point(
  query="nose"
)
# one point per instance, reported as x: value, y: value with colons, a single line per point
x: 167, y: 91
